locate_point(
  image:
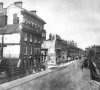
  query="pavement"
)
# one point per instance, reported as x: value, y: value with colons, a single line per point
x: 61, y: 65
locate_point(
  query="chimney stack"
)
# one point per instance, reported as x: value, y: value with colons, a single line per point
x: 1, y: 5
x: 34, y: 12
x: 18, y: 4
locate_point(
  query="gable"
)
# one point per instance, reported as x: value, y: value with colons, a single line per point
x: 11, y: 10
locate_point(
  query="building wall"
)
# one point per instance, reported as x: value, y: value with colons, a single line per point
x: 50, y: 45
x: 31, y: 28
x: 31, y: 45
x: 60, y: 50
x: 3, y: 21
x: 12, y: 45
x: 11, y: 10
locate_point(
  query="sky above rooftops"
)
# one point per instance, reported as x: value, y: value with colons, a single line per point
x: 76, y: 20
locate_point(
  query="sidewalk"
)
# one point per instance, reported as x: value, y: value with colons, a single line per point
x: 61, y: 65
x: 44, y: 79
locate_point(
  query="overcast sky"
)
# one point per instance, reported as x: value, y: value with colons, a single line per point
x: 76, y: 20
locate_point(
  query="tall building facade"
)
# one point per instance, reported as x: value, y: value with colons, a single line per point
x: 21, y: 36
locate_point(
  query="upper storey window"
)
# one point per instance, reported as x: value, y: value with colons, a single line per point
x: 43, y: 34
x: 25, y: 36
x: 31, y: 38
x: 15, y: 19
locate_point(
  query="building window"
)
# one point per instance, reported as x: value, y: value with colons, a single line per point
x: 35, y: 50
x: 39, y: 40
x: 25, y: 36
x: 15, y: 19
x: 31, y: 49
x: 30, y: 38
x: 35, y: 39
x: 39, y: 50
x: 25, y: 49
x: 43, y: 34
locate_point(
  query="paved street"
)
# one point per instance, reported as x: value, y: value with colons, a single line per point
x: 72, y: 78
x: 67, y: 77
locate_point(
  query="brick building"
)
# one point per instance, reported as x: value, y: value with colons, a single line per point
x: 21, y: 35
x: 59, y: 50
x: 56, y: 49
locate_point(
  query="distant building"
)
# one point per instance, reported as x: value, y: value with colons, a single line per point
x: 22, y: 32
x: 59, y: 50
x: 56, y: 47
x: 95, y: 49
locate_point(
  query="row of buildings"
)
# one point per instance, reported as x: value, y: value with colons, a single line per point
x: 60, y: 50
x: 23, y: 40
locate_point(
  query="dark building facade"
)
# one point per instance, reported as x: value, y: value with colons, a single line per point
x: 3, y: 16
x: 22, y: 33
x: 60, y: 50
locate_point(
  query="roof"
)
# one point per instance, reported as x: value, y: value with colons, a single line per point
x: 9, y: 29
x: 30, y: 13
x: 3, y: 11
x: 96, y: 46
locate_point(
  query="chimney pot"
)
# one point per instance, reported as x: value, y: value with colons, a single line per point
x: 18, y: 4
x: 1, y: 5
x: 34, y: 11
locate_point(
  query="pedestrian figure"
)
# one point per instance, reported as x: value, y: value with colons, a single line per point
x: 85, y: 62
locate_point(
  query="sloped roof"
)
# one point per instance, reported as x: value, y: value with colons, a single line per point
x: 32, y: 14
x: 3, y: 11
x: 9, y: 29
x: 29, y: 12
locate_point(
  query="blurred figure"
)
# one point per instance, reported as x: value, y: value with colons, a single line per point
x: 91, y: 66
x: 84, y: 62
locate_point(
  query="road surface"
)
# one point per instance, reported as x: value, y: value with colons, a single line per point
x: 67, y: 77
x: 72, y: 77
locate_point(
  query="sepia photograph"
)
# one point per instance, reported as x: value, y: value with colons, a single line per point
x: 49, y: 44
